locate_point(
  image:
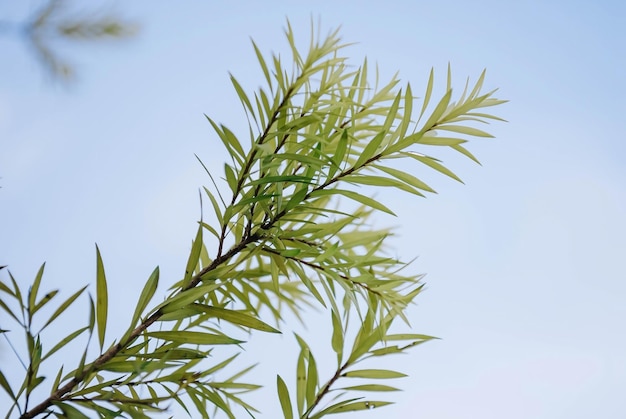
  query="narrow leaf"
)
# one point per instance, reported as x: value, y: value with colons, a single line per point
x: 372, y: 373
x: 194, y: 256
x: 102, y: 298
x: 365, y: 405
x: 438, y: 111
x: 5, y: 385
x: 465, y: 130
x: 236, y: 317
x: 146, y: 295
x: 198, y: 338
x: 371, y: 387
x: 429, y: 91
x: 283, y: 396
x: 64, y: 306
x: 365, y: 200
x: 32, y: 294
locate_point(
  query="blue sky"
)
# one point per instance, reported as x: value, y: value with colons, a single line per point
x: 525, y: 280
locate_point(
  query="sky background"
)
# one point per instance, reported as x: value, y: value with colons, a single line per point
x: 525, y: 275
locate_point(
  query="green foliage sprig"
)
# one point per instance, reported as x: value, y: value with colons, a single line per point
x: 53, y: 22
x: 283, y: 241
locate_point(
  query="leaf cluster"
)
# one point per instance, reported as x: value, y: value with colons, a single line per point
x: 55, y: 21
x: 293, y: 230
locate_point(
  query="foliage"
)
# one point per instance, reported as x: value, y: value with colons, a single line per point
x: 282, y: 242
x: 54, y: 20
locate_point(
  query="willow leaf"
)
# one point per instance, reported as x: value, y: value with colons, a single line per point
x: 146, y: 295
x: 64, y: 306
x: 6, y: 386
x: 438, y: 111
x: 373, y: 373
x: 371, y: 387
x: 194, y: 256
x: 381, y: 181
x: 311, y: 380
x: 262, y: 63
x: 360, y: 405
x: 429, y: 161
x: 283, y: 396
x: 65, y: 341
x: 406, y: 177
x: 365, y: 200
x: 32, y: 293
x: 465, y: 152
x: 337, y: 337
x: 197, y: 338
x: 246, y: 102
x: 69, y: 411
x: 370, y: 149
x: 465, y: 130
x: 236, y: 317
x: 429, y: 91
x: 102, y: 298
x: 440, y: 141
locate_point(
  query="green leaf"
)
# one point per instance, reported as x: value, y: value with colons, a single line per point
x: 429, y: 161
x: 5, y: 288
x: 246, y: 102
x: 340, y: 152
x: 429, y: 91
x: 283, y: 396
x: 44, y: 300
x: 16, y: 290
x: 198, y: 338
x: 392, y: 112
x: 146, y: 295
x: 229, y: 140
x: 283, y: 178
x: 381, y: 181
x: 263, y: 65
x: 465, y: 152
x: 337, y: 338
x: 65, y: 341
x: 231, y: 178
x: 194, y: 256
x: 311, y: 381
x: 296, y: 199
x: 361, y: 405
x: 365, y: 200
x: 334, y: 408
x: 440, y: 141
x: 300, y: 122
x: 57, y: 380
x: 438, y: 111
x: 8, y: 310
x: 32, y: 293
x: 236, y: 317
x: 102, y: 298
x: 5, y: 385
x: 216, y: 207
x: 301, y: 378
x: 370, y: 149
x: 373, y: 373
x: 187, y: 297
x: 64, y: 306
x: 406, y: 177
x: 69, y: 411
x: 371, y: 387
x: 464, y: 130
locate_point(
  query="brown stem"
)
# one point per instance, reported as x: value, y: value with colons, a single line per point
x: 324, y: 390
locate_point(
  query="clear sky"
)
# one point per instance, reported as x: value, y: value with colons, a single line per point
x: 525, y: 275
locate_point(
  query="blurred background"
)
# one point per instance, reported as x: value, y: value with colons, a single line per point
x: 524, y: 280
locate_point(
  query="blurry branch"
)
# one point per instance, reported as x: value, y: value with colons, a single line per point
x: 51, y: 23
